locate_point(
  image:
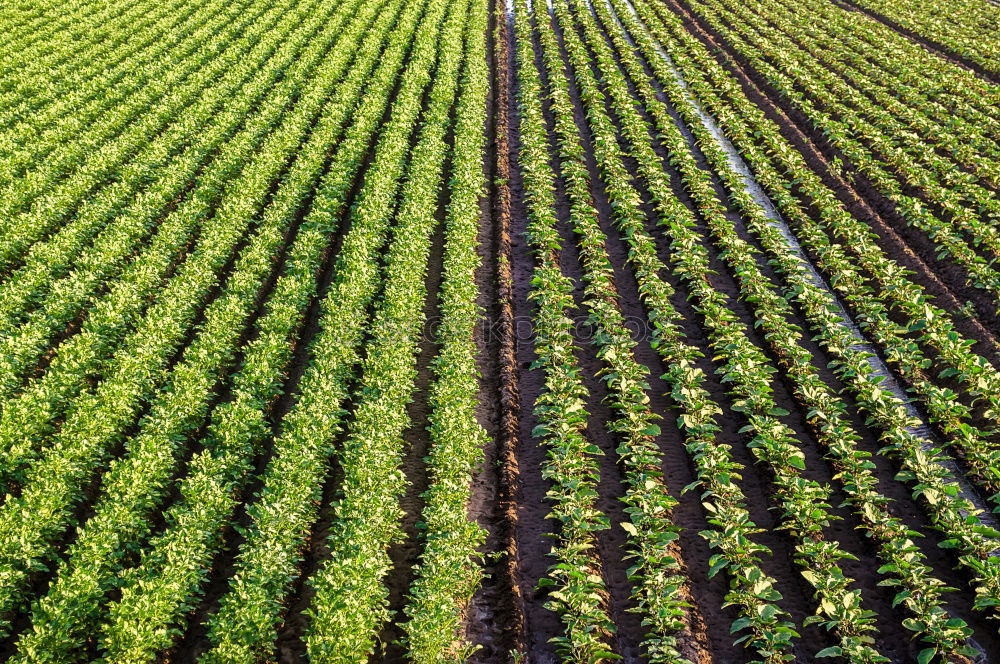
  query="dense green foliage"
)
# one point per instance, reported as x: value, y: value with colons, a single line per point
x: 255, y: 407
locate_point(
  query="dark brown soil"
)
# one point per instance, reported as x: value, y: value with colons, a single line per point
x: 694, y: 641
x: 531, y: 528
x: 928, y: 44
x: 856, y: 192
x: 495, y: 617
x: 944, y: 282
x: 506, y: 620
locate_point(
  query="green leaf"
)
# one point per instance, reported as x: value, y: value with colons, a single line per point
x: 739, y: 624
x: 717, y: 567
x: 690, y: 486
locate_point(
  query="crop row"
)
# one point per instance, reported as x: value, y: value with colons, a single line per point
x: 826, y: 412
x: 183, y: 554
x: 954, y: 356
x: 249, y: 612
x: 651, y: 534
x: 957, y: 26
x: 28, y: 330
x: 919, y: 458
x: 752, y: 591
x: 945, y: 93
x: 112, y: 319
x: 39, y: 83
x: 351, y: 601
x: 220, y: 225
x: 855, y: 130
x: 164, y: 171
x: 164, y: 246
x: 953, y: 353
x: 945, y: 634
x: 960, y: 138
x: 576, y: 590
x: 449, y: 571
x: 26, y: 24
x: 151, y: 462
x: 54, y: 483
x: 746, y: 370
x: 39, y: 46
x: 82, y: 161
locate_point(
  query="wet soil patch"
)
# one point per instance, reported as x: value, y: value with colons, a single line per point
x: 941, y: 282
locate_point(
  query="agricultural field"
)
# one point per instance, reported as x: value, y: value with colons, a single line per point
x: 500, y: 331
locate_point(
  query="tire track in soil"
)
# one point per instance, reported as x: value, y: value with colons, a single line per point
x: 493, y: 622
x: 943, y: 282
